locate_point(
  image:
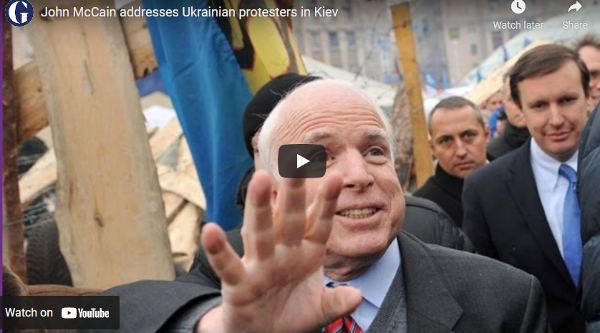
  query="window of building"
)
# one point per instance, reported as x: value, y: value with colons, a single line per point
x: 351, y: 40
x: 497, y: 39
x: 472, y: 28
x: 454, y: 33
x: 347, y: 8
x: 474, y: 49
x: 315, y: 41
x: 334, y: 41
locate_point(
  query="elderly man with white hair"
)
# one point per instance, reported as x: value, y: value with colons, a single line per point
x: 327, y: 254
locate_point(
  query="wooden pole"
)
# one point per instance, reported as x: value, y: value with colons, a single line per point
x: 13, y: 215
x: 28, y: 86
x: 410, y: 71
x: 108, y: 204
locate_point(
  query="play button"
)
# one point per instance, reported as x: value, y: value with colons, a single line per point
x: 302, y: 161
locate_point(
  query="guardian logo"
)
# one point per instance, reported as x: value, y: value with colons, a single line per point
x: 19, y: 12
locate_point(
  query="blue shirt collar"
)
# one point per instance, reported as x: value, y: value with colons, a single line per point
x: 547, y: 166
x: 377, y: 280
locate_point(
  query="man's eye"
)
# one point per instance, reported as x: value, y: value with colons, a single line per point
x: 537, y: 106
x: 376, y: 152
x: 469, y: 135
x: 566, y: 100
x: 320, y: 157
x: 444, y: 141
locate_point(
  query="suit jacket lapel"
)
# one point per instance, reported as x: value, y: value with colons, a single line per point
x: 429, y: 305
x: 523, y: 189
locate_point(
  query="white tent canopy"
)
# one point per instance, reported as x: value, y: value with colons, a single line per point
x: 382, y: 94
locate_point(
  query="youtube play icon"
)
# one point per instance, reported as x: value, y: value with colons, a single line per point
x: 302, y: 161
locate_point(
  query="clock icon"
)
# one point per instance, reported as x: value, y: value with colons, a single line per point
x: 518, y: 6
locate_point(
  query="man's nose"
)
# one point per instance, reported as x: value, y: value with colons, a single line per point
x: 556, y: 116
x: 461, y: 148
x: 356, y: 171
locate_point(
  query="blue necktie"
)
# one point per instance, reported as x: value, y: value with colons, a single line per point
x: 572, y: 247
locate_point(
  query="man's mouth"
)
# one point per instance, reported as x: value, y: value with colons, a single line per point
x: 558, y: 136
x: 464, y: 164
x: 358, y: 213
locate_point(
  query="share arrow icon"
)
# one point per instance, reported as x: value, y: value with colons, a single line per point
x: 577, y: 6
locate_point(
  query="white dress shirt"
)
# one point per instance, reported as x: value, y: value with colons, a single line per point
x: 374, y: 284
x: 552, y: 188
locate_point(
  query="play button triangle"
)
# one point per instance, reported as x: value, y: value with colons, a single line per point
x: 300, y: 161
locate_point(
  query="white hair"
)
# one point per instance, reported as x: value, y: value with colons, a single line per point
x: 267, y: 145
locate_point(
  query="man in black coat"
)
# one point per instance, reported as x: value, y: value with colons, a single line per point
x: 515, y: 131
x: 521, y: 209
x: 458, y: 140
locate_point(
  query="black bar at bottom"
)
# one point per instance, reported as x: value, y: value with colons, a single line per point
x: 60, y: 312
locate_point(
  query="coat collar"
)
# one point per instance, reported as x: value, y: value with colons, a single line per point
x: 451, y: 184
x: 430, y: 306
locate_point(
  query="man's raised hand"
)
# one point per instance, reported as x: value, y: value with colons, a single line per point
x: 278, y: 285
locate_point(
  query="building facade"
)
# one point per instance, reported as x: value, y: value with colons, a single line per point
x: 359, y: 39
x: 455, y: 36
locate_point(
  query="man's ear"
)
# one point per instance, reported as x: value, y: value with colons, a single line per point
x: 487, y: 132
x: 430, y: 141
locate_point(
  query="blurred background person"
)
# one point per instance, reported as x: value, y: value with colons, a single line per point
x: 515, y: 132
x: 588, y: 48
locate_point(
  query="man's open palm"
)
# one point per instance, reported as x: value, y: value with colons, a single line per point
x: 278, y: 285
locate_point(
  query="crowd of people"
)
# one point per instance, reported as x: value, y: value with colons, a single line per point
x: 499, y: 239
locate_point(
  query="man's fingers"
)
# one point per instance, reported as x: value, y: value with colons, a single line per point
x: 257, y: 232
x: 223, y: 259
x: 323, y: 209
x: 291, y: 210
x: 339, y: 301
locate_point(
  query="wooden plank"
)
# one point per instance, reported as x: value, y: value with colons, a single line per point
x: 137, y: 38
x: 165, y: 137
x: 182, y: 185
x: 10, y: 144
x: 493, y: 82
x: 173, y: 205
x: 185, y: 163
x: 108, y: 204
x: 410, y: 69
x: 184, y: 156
x: 37, y: 179
x: 28, y: 87
x: 43, y: 173
x: 184, y: 233
x: 32, y: 110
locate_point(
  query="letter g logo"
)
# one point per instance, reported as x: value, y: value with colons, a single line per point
x: 19, y: 12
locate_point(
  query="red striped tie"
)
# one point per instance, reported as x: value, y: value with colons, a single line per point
x: 343, y: 325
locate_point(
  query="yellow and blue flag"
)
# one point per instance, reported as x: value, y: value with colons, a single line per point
x: 211, y: 66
